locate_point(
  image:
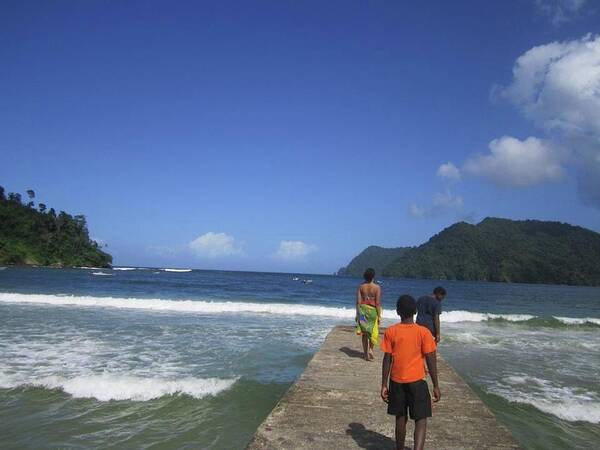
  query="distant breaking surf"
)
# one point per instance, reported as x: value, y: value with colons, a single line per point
x: 284, y: 309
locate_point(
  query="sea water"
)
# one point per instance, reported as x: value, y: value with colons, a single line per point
x: 148, y: 358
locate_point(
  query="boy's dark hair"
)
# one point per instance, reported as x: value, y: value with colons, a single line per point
x: 439, y: 291
x: 406, y: 306
x: 369, y: 275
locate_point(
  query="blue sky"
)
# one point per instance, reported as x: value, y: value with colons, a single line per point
x: 288, y: 136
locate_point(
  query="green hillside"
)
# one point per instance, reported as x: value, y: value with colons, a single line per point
x: 527, y: 251
x: 41, y: 237
x: 376, y: 257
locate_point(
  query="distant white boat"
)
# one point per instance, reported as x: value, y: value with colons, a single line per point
x: 295, y: 279
x: 177, y: 270
x: 103, y: 274
x: 123, y: 268
x: 307, y: 281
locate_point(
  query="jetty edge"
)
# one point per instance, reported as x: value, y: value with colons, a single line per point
x: 335, y: 404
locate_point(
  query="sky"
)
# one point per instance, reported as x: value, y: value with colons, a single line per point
x: 288, y: 136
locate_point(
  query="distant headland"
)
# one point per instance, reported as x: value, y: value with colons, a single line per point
x: 40, y: 237
x: 519, y: 251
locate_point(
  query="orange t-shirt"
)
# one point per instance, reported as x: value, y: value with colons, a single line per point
x: 408, y: 343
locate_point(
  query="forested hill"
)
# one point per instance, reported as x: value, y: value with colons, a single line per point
x: 39, y: 236
x: 376, y: 257
x: 527, y: 251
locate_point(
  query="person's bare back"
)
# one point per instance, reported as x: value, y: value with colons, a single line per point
x: 370, y: 291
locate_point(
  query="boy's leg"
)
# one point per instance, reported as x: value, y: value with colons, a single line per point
x: 420, y: 431
x: 419, y: 404
x: 400, y: 431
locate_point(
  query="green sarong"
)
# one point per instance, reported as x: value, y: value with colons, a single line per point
x: 368, y: 323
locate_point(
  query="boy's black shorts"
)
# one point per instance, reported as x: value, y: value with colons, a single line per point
x: 413, y: 397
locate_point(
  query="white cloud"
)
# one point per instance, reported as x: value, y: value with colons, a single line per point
x: 214, y: 245
x: 557, y: 85
x: 294, y: 250
x: 513, y: 162
x: 559, y: 11
x: 443, y: 202
x: 449, y: 171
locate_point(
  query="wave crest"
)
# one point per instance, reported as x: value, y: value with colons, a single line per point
x: 286, y: 309
x: 563, y: 402
x: 108, y: 387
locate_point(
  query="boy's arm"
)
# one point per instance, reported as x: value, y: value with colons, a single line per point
x: 431, y: 359
x: 385, y: 375
x: 438, y: 334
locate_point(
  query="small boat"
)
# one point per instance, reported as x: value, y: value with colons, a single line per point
x: 103, y: 274
x: 295, y: 279
x: 177, y: 270
x: 307, y: 281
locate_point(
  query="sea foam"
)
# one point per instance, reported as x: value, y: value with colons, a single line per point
x: 563, y: 402
x: 105, y: 387
x: 286, y: 309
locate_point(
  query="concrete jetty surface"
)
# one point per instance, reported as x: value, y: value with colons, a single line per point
x: 335, y: 404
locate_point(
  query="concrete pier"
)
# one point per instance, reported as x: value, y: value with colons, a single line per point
x: 335, y: 404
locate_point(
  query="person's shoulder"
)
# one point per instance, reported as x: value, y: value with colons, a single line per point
x: 421, y: 329
x: 393, y: 329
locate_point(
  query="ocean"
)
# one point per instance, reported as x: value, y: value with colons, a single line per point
x: 149, y: 358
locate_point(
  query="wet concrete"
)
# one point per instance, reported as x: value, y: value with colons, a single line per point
x: 335, y: 404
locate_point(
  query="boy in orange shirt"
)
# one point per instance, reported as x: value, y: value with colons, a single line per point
x: 405, y: 345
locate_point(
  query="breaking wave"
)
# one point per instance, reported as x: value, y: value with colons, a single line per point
x: 563, y: 402
x: 106, y: 387
x: 286, y: 309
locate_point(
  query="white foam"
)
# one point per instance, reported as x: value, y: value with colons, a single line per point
x: 107, y: 387
x: 468, y: 316
x: 563, y: 402
x: 124, y: 268
x: 194, y: 306
x: 578, y: 320
x: 104, y: 274
x: 217, y: 307
x: 177, y: 270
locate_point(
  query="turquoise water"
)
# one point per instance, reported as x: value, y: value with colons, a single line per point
x: 148, y: 359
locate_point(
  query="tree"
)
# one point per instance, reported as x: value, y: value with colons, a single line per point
x: 42, y: 207
x: 2, y: 197
x: 14, y: 197
x: 52, y: 213
x: 31, y: 193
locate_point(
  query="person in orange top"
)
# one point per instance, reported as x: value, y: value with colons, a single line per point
x: 405, y: 345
